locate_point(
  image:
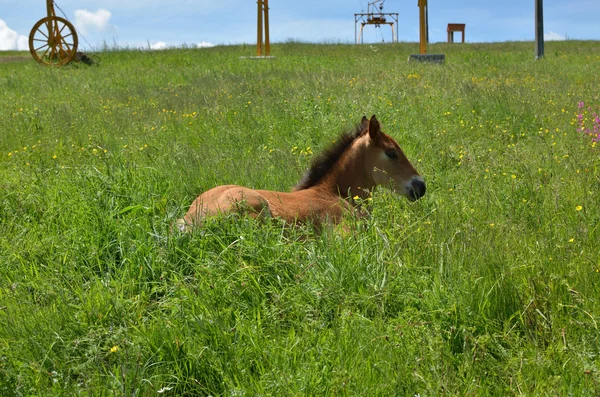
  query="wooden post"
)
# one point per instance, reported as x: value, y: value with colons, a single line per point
x: 50, y: 8
x: 539, y: 29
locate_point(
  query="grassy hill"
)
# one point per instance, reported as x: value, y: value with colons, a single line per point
x: 489, y: 285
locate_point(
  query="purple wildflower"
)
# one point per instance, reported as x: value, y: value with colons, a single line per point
x: 585, y: 114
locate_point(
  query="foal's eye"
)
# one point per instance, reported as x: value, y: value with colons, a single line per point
x: 391, y: 154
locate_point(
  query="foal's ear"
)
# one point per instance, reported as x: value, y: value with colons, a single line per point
x: 374, y: 127
x: 364, y: 124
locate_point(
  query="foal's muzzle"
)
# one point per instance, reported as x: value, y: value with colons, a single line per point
x: 416, y: 189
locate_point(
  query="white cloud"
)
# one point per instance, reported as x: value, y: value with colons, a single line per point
x: 11, y: 40
x: 86, y: 20
x: 159, y: 45
x: 22, y: 43
x: 551, y: 36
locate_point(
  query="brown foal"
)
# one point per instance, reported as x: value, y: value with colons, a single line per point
x: 349, y: 169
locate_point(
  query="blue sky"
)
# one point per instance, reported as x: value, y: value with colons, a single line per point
x: 159, y: 24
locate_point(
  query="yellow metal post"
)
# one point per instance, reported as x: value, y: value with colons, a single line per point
x: 263, y: 48
x: 267, y: 42
x: 423, y: 56
x: 259, y: 34
x: 422, y: 27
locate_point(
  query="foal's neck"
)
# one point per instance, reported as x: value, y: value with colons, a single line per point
x: 348, y: 177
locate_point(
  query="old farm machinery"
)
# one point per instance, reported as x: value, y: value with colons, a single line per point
x: 53, y: 39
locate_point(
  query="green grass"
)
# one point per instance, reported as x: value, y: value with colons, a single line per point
x: 489, y: 285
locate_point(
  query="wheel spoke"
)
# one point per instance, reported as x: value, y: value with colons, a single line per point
x: 42, y: 32
x: 40, y: 47
x: 65, y: 47
x: 64, y: 42
x: 61, y: 29
x: 45, y: 53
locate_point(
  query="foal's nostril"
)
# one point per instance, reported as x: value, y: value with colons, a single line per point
x: 418, y: 188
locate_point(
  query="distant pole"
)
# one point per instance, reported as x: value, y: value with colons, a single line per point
x: 539, y: 29
x: 422, y: 27
x: 427, y: 22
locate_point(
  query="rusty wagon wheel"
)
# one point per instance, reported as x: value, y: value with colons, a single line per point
x: 53, y: 41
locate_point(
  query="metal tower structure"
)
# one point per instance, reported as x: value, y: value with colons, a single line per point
x: 374, y: 16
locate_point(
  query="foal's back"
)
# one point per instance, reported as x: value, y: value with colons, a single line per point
x: 313, y: 205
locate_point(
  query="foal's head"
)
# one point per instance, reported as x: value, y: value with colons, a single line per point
x: 386, y: 164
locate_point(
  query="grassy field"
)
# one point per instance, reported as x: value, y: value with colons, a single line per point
x: 489, y: 285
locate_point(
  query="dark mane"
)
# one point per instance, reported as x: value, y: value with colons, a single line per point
x: 322, y: 164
